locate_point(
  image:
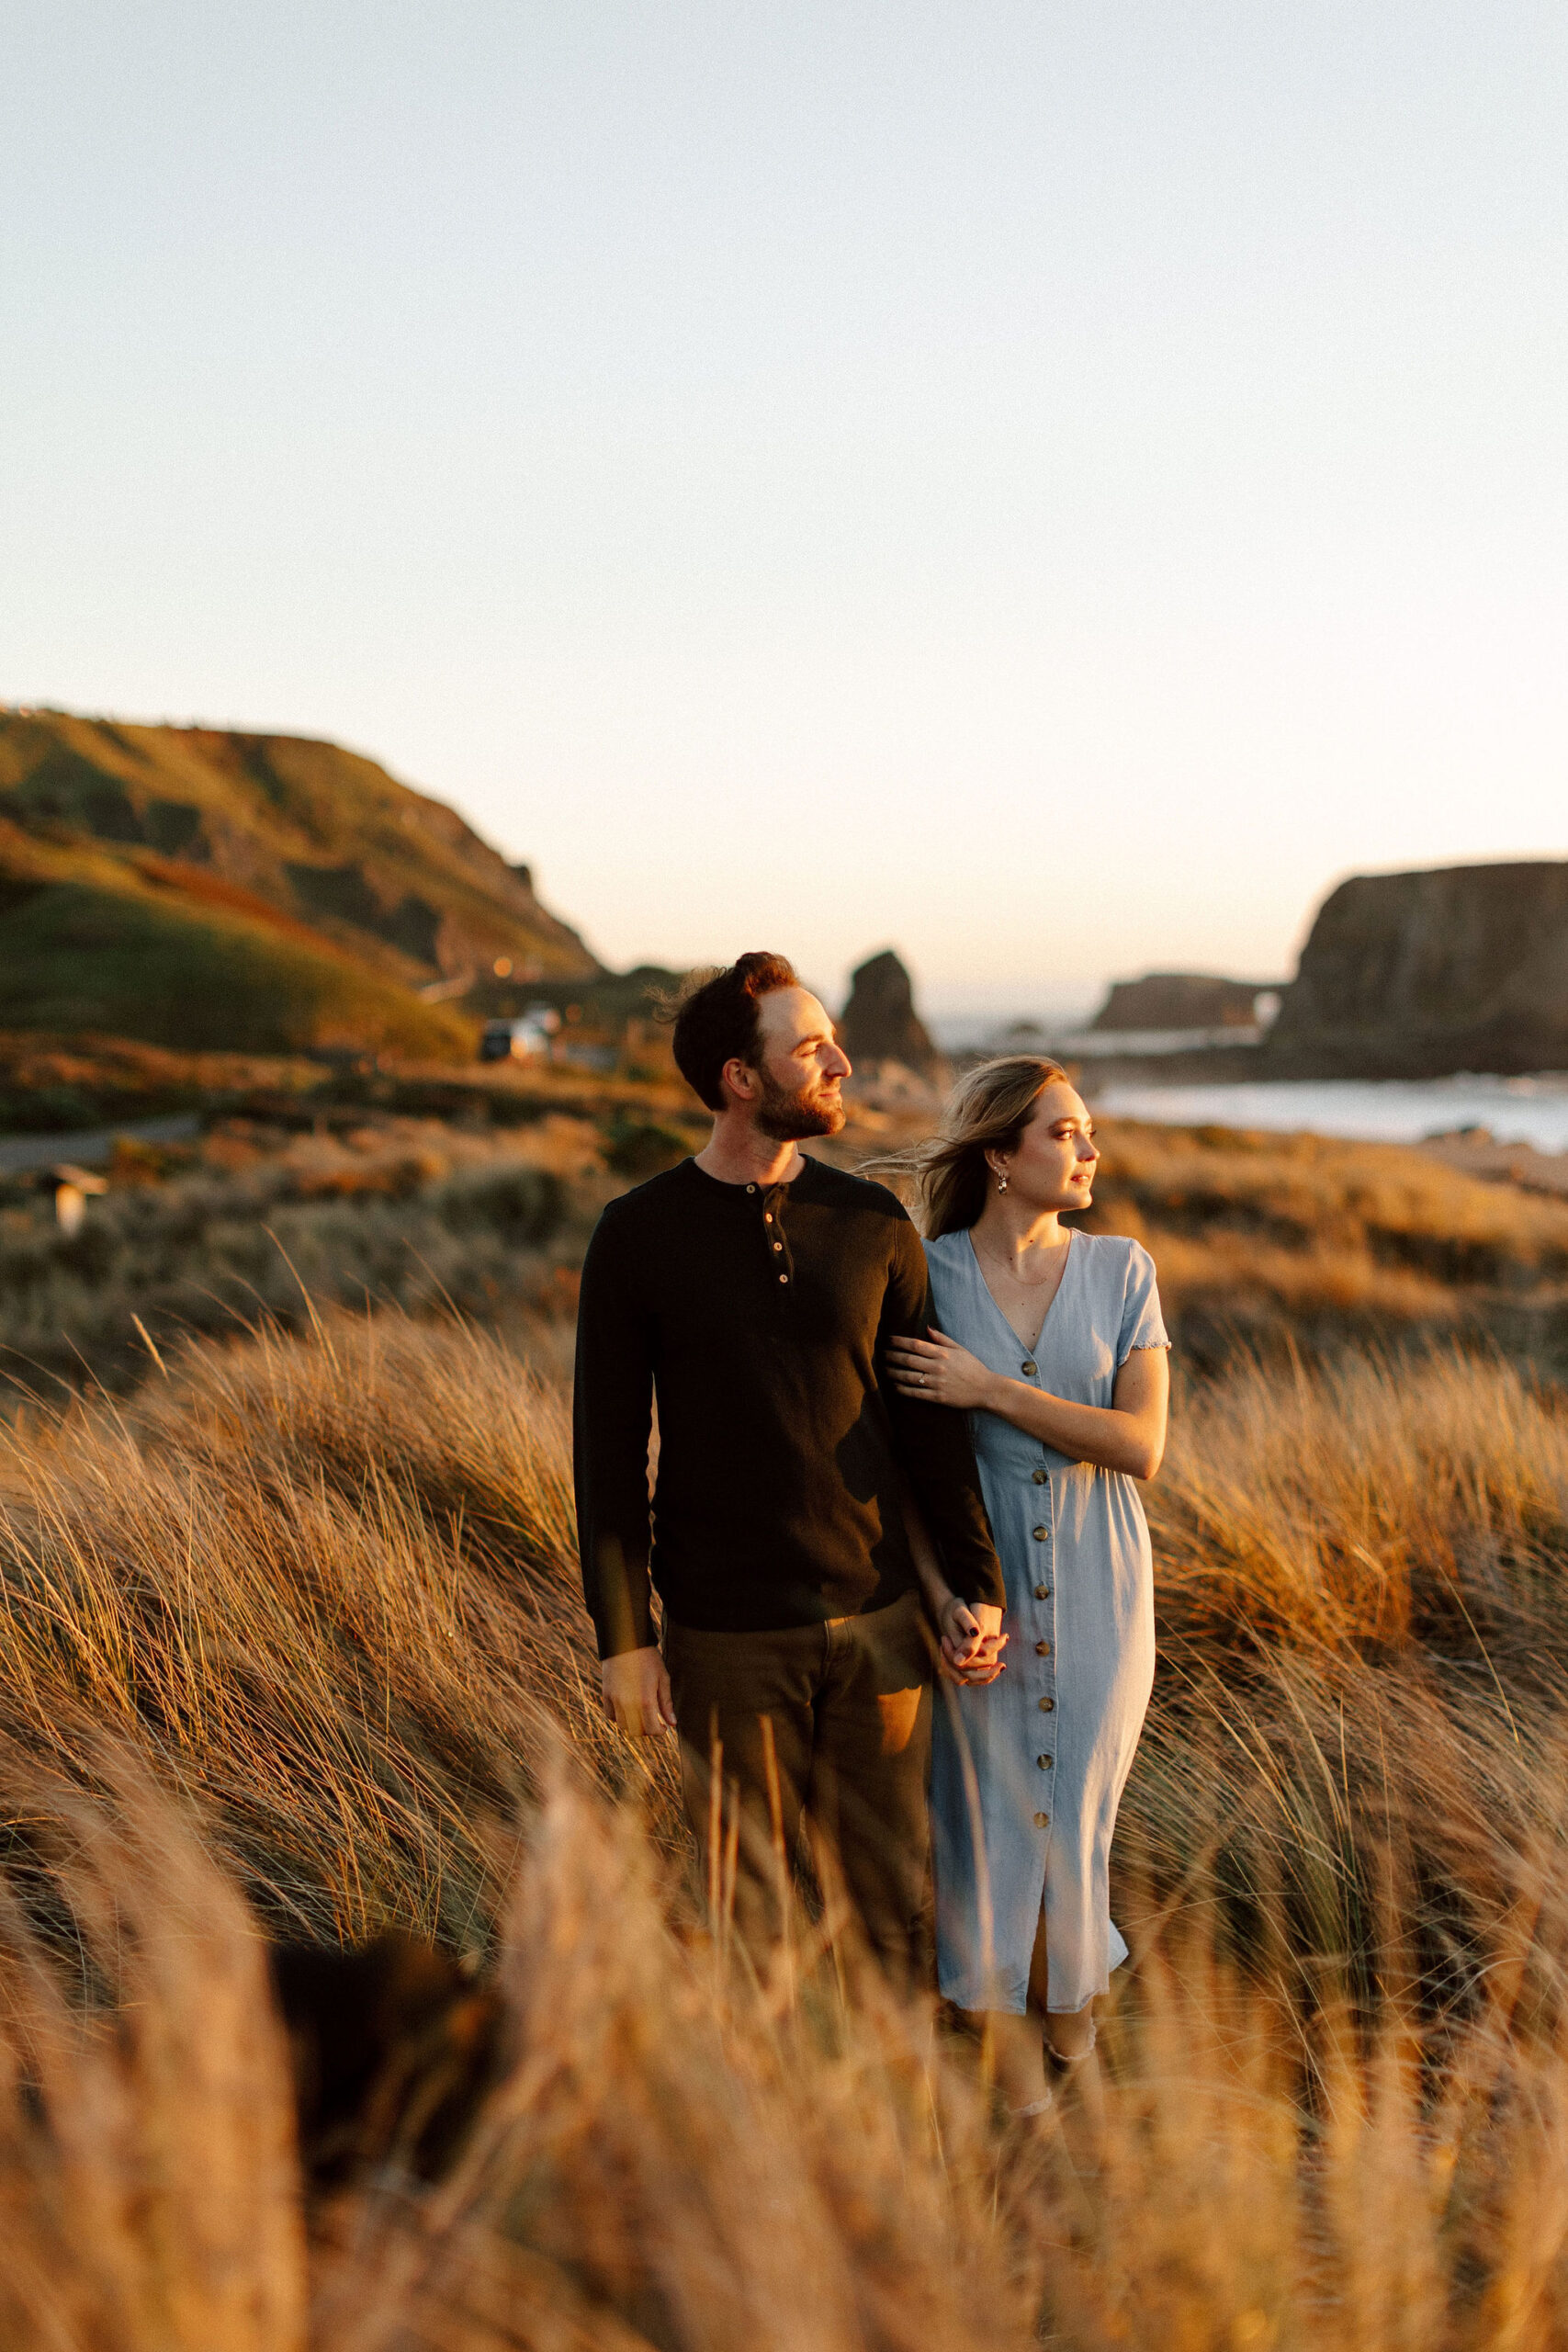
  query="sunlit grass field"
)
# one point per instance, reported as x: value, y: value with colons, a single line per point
x: 1304, y: 1241
x: 415, y: 1188
x: 291, y: 1644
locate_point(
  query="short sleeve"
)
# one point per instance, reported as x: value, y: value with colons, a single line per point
x: 1143, y: 1326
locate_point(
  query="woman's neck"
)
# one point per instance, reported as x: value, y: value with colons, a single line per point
x: 1013, y: 1234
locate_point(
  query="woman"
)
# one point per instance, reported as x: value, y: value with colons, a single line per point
x: 1051, y: 1341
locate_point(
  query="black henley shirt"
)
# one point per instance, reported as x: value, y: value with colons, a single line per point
x: 759, y: 1315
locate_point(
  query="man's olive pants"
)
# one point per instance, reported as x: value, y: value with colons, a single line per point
x: 848, y: 1704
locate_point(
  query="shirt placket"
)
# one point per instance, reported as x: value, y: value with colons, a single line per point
x: 1041, y: 1612
x: 776, y: 1250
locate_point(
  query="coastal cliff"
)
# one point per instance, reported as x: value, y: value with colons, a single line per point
x: 1422, y: 975
x: 1182, y: 1000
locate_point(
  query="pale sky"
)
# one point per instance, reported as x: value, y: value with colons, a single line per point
x: 1049, y: 487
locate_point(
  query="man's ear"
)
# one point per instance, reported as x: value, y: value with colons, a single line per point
x: 740, y: 1077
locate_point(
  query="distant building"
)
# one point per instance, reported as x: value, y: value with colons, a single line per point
x: 530, y: 1037
x: 73, y: 1187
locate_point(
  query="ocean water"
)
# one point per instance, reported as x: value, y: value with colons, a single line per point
x: 1515, y: 1110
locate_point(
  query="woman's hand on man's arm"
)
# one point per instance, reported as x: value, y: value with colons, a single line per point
x: 937, y: 1370
x: 1126, y: 1435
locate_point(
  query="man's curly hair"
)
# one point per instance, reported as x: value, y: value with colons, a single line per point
x: 716, y: 1019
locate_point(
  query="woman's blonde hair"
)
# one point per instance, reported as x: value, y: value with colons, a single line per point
x: 988, y: 1111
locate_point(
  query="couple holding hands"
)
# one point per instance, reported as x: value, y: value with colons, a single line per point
x: 889, y: 1470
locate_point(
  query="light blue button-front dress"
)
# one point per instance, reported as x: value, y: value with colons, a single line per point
x: 1027, y: 1771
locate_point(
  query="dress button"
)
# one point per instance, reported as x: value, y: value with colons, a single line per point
x: 1028, y: 1365
x: 1041, y: 1534
x: 1046, y: 1705
x: 1041, y: 1649
x: 1041, y: 1477
x: 1043, y: 1821
x: 1042, y: 1593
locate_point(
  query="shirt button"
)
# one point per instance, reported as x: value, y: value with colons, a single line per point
x: 1043, y: 1821
x: 1042, y: 1593
x: 778, y: 1245
x: 750, y: 1188
x: 1046, y: 1705
x: 1043, y: 1762
x: 1041, y: 1649
x: 767, y: 1217
x: 1041, y: 1477
x: 783, y: 1278
x: 1041, y: 1534
x: 1028, y: 1365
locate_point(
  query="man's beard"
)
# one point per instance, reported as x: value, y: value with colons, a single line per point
x: 784, y: 1117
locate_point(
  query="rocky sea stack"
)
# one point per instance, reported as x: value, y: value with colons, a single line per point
x: 879, y: 1023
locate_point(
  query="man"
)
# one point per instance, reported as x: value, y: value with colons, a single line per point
x: 755, y: 1291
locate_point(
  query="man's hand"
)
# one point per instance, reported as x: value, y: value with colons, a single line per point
x: 637, y: 1694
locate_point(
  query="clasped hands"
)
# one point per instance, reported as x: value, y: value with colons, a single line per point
x: 972, y: 1641
x: 637, y: 1684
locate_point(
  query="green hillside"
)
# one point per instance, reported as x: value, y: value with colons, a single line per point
x: 87, y: 944
x: 258, y: 893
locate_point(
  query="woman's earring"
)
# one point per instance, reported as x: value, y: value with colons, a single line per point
x: 1002, y: 1182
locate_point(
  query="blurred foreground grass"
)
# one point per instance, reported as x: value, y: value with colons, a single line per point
x: 293, y: 1635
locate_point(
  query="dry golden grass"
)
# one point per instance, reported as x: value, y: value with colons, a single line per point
x: 404, y: 1210
x: 1359, y: 1745
x: 674, y: 2159
x: 1383, y: 1500
x: 148, y: 2181
x: 1311, y: 1237
x: 1275, y: 1242
x: 299, y: 1625
x: 327, y: 1585
x: 1386, y: 1200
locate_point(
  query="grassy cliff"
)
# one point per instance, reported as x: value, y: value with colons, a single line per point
x: 245, y: 892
